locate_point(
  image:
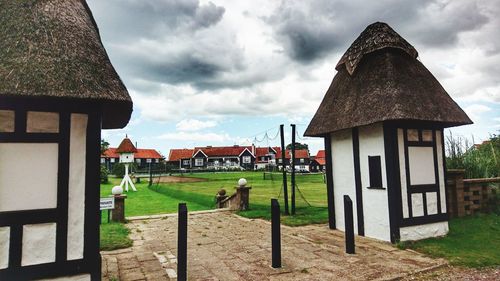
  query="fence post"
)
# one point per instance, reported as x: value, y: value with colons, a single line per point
x: 182, y: 243
x: 275, y: 233
x: 349, y: 225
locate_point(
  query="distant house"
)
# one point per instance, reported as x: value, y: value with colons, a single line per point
x: 180, y: 158
x: 223, y: 157
x: 318, y: 162
x: 302, y: 159
x: 265, y: 157
x: 142, y: 158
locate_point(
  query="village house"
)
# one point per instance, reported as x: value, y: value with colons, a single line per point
x: 235, y: 157
x: 142, y: 158
x: 317, y: 163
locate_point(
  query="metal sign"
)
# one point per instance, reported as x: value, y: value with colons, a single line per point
x: 107, y: 203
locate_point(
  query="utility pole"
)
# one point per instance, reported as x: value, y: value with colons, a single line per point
x: 283, y: 167
x: 292, y: 160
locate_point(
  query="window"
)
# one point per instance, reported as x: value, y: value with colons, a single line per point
x: 301, y: 160
x: 148, y: 160
x: 375, y: 170
x: 198, y: 162
x: 302, y: 167
x: 138, y: 161
x: 112, y: 160
x: 247, y: 160
x: 103, y: 160
x: 157, y: 161
x: 280, y: 160
x: 185, y: 162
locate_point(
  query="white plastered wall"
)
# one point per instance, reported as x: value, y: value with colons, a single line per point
x: 423, y: 231
x: 28, y: 176
x: 39, y: 244
x: 343, y: 175
x: 375, y: 201
x: 81, y: 277
x: 76, y: 187
x: 4, y: 247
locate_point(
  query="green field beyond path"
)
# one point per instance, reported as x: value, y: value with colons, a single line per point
x: 164, y: 197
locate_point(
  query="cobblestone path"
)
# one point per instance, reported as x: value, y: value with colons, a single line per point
x: 224, y: 246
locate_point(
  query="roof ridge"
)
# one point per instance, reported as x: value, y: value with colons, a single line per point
x: 376, y: 36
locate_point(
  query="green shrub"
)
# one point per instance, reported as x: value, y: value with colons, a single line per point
x: 104, y: 174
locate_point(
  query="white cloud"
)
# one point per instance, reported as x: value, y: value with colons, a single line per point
x: 196, y: 137
x: 476, y: 110
x: 194, y: 125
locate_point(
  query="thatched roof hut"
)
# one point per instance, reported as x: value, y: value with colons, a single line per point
x: 379, y: 79
x: 52, y: 50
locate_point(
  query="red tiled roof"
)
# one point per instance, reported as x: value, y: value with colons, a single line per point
x: 320, y: 161
x: 147, y: 154
x: 178, y: 154
x: 126, y: 146
x: 212, y: 151
x: 320, y: 154
x: 261, y: 151
x: 140, y: 154
x: 299, y: 153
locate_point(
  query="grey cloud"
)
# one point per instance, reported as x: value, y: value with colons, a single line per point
x: 310, y: 30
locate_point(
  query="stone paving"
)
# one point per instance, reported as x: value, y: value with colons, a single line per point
x: 224, y: 246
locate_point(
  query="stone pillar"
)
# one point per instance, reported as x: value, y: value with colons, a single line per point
x: 455, y: 192
x: 221, y: 196
x: 118, y: 213
x: 243, y: 197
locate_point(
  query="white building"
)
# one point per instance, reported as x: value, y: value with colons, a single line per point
x: 57, y: 90
x: 382, y: 120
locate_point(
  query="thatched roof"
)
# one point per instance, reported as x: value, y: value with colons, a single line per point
x: 386, y: 82
x: 52, y: 49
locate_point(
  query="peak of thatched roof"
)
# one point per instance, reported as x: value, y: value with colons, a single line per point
x: 52, y: 49
x: 126, y: 146
x: 388, y: 84
x: 375, y: 37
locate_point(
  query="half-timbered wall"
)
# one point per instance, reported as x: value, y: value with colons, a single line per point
x: 49, y: 161
x: 422, y: 180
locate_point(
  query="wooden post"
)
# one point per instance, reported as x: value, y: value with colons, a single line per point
x: 349, y: 225
x: 182, y: 243
x: 150, y: 175
x: 275, y: 233
x: 292, y: 164
x: 118, y: 213
x: 283, y: 166
x: 329, y: 182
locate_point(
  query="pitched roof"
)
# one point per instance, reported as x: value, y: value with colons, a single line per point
x: 299, y: 153
x: 178, y: 154
x: 320, y: 161
x: 140, y: 154
x: 387, y: 83
x: 52, y: 49
x: 213, y: 151
x: 126, y: 146
x: 320, y: 154
x: 146, y: 153
x: 262, y: 151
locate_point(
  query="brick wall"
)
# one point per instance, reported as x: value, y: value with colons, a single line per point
x: 467, y: 196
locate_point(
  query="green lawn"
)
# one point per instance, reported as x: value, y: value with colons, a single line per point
x: 164, y: 198
x: 114, y: 236
x: 311, y: 187
x: 473, y: 241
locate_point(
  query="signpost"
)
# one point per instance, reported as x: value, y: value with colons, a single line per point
x: 106, y: 203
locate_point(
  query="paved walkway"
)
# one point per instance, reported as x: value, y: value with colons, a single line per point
x: 224, y: 246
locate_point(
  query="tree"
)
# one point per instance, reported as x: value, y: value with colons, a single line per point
x: 298, y: 146
x: 104, y: 146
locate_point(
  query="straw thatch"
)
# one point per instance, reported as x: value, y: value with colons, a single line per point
x: 52, y: 49
x: 386, y: 82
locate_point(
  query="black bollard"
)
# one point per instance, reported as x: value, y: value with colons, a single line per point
x: 349, y: 225
x: 275, y: 233
x: 182, y: 243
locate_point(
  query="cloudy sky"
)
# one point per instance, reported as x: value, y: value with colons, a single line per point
x: 226, y: 72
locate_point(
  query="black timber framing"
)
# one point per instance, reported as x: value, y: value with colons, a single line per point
x: 91, y: 263
x: 423, y: 188
x: 329, y: 182
x: 393, y: 179
x: 357, y: 180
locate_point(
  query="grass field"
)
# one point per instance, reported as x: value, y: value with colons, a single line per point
x: 473, y: 241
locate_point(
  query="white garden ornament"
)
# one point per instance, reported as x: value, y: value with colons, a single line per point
x: 126, y: 150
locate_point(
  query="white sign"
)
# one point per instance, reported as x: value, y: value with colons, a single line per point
x: 107, y: 203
